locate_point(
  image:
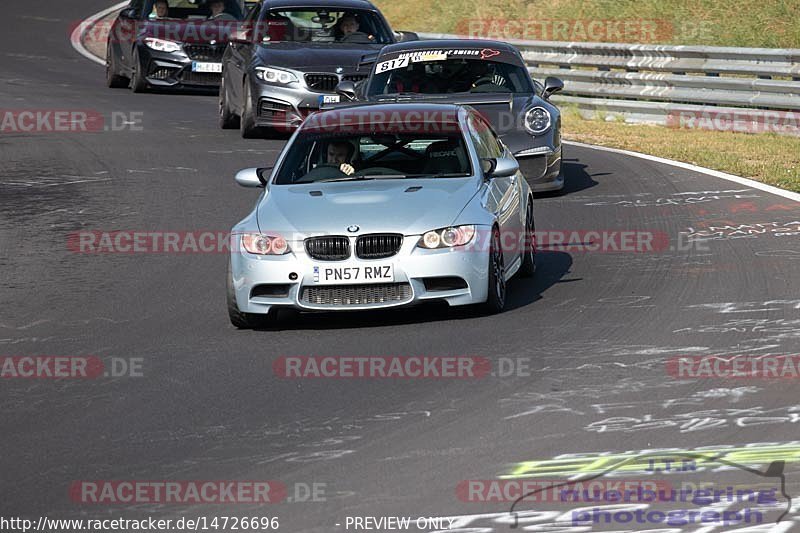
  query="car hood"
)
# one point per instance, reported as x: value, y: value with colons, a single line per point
x: 407, y: 206
x: 305, y: 56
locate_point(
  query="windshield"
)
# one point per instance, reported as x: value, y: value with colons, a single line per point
x: 315, y: 25
x: 325, y: 157
x: 442, y: 72
x: 193, y: 10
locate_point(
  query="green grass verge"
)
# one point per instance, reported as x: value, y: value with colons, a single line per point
x: 768, y: 158
x: 756, y: 23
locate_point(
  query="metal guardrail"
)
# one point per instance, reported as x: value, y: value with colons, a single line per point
x: 656, y: 83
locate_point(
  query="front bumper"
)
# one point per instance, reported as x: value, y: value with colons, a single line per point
x: 412, y: 266
x: 542, y: 168
x: 174, y: 69
x: 287, y: 106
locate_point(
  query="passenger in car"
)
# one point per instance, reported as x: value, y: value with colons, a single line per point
x: 162, y: 9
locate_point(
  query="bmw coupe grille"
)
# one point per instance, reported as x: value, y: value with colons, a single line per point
x: 204, y: 52
x: 322, y: 82
x: 354, y: 77
x: 378, y: 246
x: 329, y: 248
x: 357, y: 294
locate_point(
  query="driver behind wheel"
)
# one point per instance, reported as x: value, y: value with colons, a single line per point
x: 341, y: 153
x: 218, y: 12
x: 347, y: 25
x: 161, y: 8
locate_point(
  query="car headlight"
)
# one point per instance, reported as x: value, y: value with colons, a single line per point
x: 259, y: 244
x: 162, y: 45
x: 275, y: 75
x: 537, y: 120
x: 447, y: 237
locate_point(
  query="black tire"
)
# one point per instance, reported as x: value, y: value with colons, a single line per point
x: 247, y: 122
x: 227, y: 119
x: 113, y: 79
x: 496, y: 298
x: 245, y: 320
x: 528, y: 268
x: 138, y: 81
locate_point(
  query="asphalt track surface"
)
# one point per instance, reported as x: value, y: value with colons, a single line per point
x: 595, y: 328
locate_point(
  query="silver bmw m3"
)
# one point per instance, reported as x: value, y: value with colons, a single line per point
x: 379, y: 206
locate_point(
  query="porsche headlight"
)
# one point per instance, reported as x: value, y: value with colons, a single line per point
x: 259, y: 244
x: 537, y: 120
x: 275, y: 75
x: 447, y: 237
x: 162, y: 45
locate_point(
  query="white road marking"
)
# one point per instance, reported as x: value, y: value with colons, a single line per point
x: 694, y: 168
x: 77, y: 35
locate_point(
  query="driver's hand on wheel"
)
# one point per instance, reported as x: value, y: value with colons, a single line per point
x: 347, y: 169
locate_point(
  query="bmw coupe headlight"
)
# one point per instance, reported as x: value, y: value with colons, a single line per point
x: 537, y: 120
x: 162, y: 45
x: 259, y: 244
x: 447, y: 237
x: 275, y: 75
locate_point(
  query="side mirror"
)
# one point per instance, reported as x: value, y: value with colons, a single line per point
x: 241, y: 35
x: 405, y: 36
x: 252, y: 177
x: 129, y: 13
x: 551, y: 85
x: 500, y: 167
x: 346, y: 89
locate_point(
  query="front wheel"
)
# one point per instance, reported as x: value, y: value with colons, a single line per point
x: 247, y: 123
x: 528, y: 268
x: 227, y: 119
x: 138, y: 81
x: 496, y: 299
x: 114, y: 80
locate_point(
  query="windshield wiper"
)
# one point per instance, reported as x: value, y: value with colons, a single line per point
x: 348, y: 178
x: 367, y: 177
x: 441, y: 175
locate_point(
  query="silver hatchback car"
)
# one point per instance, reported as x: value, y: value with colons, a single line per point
x: 379, y: 206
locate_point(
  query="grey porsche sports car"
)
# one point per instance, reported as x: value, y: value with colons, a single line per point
x: 489, y: 75
x: 383, y: 205
x: 290, y: 55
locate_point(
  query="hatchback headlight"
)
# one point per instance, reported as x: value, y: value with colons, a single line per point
x: 447, y: 237
x: 259, y: 244
x: 162, y: 45
x: 275, y: 75
x: 537, y: 120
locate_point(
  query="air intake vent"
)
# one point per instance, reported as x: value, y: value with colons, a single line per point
x: 343, y: 295
x: 331, y: 248
x: 378, y: 246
